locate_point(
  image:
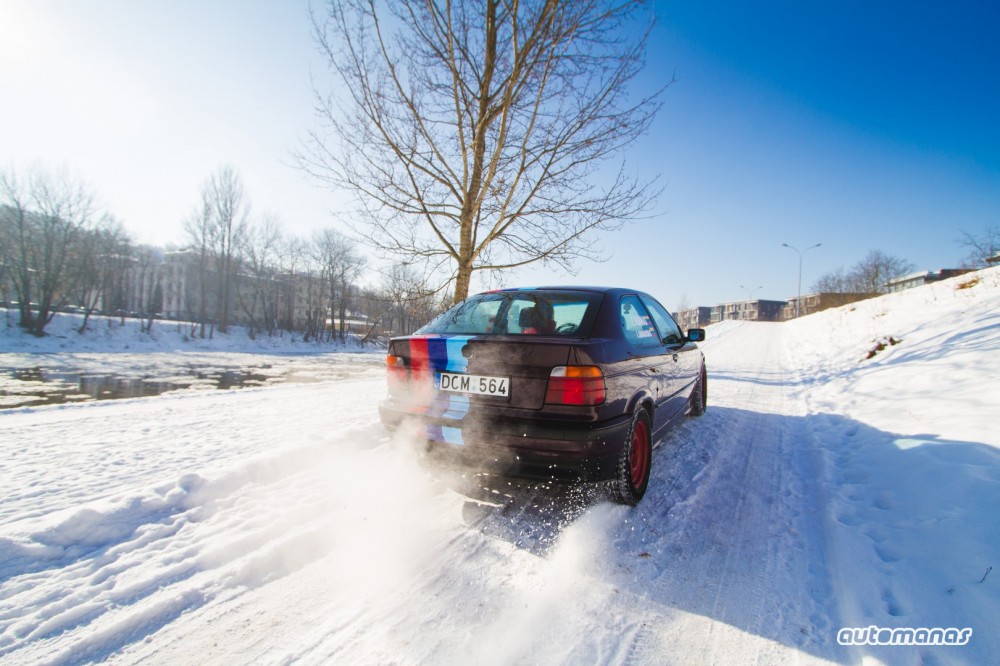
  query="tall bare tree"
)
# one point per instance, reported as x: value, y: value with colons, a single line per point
x: 476, y: 135
x: 225, y: 198
x: 215, y: 230
x: 41, y: 217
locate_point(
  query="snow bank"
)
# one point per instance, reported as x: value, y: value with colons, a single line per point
x: 903, y: 396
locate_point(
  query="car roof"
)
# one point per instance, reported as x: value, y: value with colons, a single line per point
x: 603, y: 290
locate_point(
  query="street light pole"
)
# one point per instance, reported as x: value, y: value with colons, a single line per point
x: 750, y: 291
x: 798, y: 299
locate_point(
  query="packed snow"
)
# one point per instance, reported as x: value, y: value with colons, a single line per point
x: 846, y: 476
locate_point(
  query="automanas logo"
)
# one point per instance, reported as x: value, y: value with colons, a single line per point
x: 873, y: 635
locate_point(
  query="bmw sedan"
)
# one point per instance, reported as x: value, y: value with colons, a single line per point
x: 549, y: 382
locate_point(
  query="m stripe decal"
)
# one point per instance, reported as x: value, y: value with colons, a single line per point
x: 429, y: 356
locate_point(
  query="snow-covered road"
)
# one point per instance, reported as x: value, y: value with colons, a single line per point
x: 283, y: 525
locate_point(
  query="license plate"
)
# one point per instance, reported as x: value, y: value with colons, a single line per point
x: 475, y: 384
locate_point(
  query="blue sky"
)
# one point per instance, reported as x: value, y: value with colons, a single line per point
x: 857, y: 125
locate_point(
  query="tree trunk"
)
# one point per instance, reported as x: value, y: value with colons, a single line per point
x: 463, y: 281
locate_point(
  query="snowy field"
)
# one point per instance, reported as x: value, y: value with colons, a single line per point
x: 823, y: 490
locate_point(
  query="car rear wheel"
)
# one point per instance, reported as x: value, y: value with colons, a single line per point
x: 699, y: 396
x: 632, y: 475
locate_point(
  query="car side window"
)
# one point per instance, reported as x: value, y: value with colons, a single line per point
x: 637, y: 324
x: 670, y: 332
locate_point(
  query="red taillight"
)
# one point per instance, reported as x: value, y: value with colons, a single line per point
x: 576, y: 385
x: 396, y: 373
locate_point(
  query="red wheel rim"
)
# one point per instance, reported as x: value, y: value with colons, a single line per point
x: 639, y: 454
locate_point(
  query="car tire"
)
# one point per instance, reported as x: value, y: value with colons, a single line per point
x: 635, y: 462
x: 698, y: 402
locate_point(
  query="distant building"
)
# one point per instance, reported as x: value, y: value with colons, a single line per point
x: 818, y: 302
x: 926, y: 277
x: 699, y: 317
x: 757, y: 310
x: 995, y: 259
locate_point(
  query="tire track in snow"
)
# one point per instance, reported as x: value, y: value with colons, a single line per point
x: 735, y: 498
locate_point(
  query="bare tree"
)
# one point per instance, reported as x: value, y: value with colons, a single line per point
x: 215, y: 230
x: 224, y: 197
x: 147, y: 297
x: 834, y: 282
x: 340, y: 265
x: 259, y: 302
x: 102, y: 258
x: 406, y: 297
x: 980, y: 247
x: 474, y: 134
x: 869, y: 276
x: 41, y: 217
x: 198, y: 227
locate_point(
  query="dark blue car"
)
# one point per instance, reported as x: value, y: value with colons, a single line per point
x: 549, y: 382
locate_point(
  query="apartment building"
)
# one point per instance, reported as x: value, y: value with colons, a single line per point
x: 756, y: 310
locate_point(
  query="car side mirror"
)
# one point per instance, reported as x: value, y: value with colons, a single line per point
x: 696, y: 335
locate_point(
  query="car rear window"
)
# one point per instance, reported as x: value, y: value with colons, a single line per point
x: 528, y: 312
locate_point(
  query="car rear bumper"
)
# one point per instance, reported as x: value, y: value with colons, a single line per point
x: 520, y: 448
